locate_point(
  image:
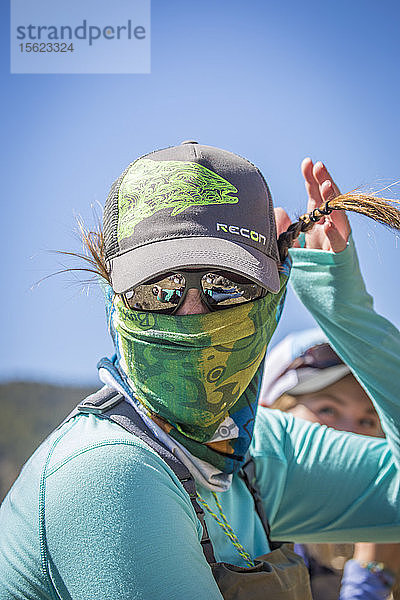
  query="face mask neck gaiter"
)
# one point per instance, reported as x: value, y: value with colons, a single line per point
x: 198, y: 376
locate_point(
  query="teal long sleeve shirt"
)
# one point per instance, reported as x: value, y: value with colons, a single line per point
x: 102, y: 516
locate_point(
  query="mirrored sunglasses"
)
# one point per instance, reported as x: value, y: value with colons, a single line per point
x: 218, y: 289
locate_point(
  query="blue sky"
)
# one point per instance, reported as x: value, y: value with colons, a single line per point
x: 274, y: 82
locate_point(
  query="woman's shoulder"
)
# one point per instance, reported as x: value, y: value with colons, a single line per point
x: 88, y: 433
x: 88, y: 449
x: 99, y: 448
x: 90, y: 480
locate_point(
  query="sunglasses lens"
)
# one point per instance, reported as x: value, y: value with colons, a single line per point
x: 227, y: 289
x: 161, y: 295
x: 221, y: 289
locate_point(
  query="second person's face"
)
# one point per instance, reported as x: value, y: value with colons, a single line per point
x: 344, y: 405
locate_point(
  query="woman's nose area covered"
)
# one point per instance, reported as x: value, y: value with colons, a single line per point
x: 192, y: 304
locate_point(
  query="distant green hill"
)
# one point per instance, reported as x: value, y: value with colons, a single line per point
x: 29, y: 412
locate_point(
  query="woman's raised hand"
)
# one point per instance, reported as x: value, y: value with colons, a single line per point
x: 332, y: 232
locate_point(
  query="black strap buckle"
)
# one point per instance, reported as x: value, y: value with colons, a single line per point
x: 99, y: 406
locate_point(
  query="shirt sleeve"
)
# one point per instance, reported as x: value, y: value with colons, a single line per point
x: 98, y: 547
x: 331, y: 287
x: 318, y: 484
x: 322, y: 485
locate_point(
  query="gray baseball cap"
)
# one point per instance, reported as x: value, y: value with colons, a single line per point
x: 190, y: 206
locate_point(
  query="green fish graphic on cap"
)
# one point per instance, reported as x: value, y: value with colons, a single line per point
x: 150, y: 186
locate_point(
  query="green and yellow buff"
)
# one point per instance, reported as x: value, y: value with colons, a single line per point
x: 198, y: 376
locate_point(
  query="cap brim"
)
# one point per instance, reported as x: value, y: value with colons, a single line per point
x: 136, y: 266
x: 313, y: 380
x: 303, y: 381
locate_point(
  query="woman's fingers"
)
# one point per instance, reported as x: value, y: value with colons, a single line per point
x: 321, y: 174
x: 312, y: 186
x: 339, y: 218
x: 331, y: 232
x: 336, y: 241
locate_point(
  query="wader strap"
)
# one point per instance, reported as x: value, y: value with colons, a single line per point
x: 110, y: 404
x: 248, y: 474
x: 96, y: 403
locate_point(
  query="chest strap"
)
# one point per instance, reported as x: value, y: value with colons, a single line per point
x: 110, y: 404
x: 248, y: 474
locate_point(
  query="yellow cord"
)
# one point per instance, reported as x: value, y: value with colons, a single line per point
x: 227, y: 529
